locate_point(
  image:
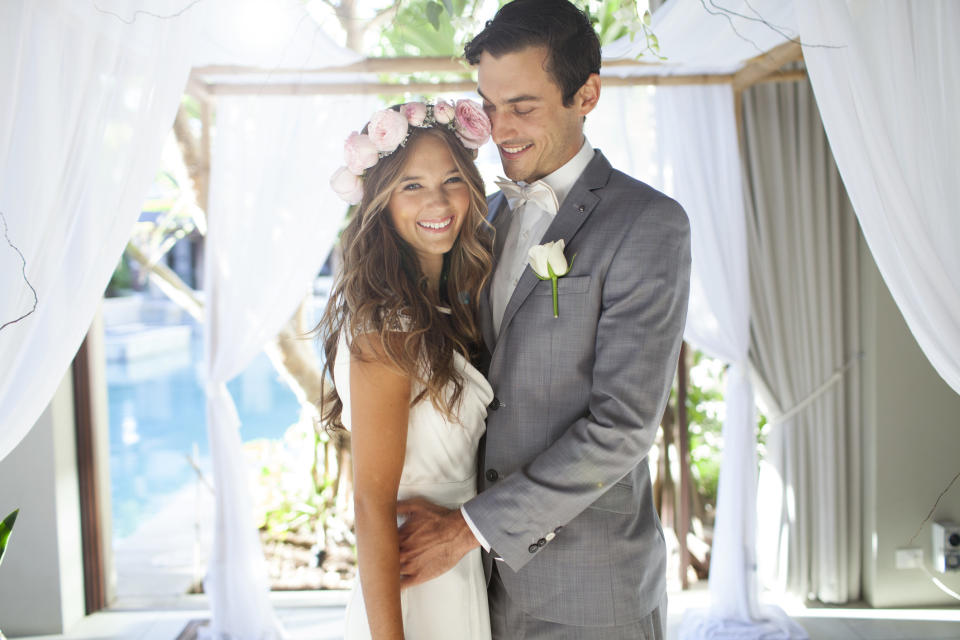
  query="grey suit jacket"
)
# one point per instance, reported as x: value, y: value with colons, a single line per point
x: 566, y: 495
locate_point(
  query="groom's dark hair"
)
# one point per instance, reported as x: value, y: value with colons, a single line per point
x: 572, y: 44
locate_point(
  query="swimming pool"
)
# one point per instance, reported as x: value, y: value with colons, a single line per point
x: 158, y: 417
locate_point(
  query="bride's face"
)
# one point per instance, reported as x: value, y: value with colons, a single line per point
x: 430, y: 203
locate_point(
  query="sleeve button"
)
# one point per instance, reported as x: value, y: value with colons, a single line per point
x: 533, y: 548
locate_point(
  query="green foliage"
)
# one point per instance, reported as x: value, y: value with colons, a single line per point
x: 428, y: 28
x: 432, y: 28
x: 704, y: 404
x: 6, y: 528
x: 295, y: 489
x: 121, y: 280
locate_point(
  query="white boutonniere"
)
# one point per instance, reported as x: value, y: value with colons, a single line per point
x: 549, y: 263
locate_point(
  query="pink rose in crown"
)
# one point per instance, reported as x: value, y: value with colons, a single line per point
x: 443, y: 112
x: 472, y: 124
x: 415, y: 113
x: 347, y: 185
x: 387, y: 129
x: 359, y: 153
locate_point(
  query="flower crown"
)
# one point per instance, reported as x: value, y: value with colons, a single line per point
x: 389, y: 129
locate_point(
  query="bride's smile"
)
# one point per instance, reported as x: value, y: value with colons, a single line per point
x: 428, y: 206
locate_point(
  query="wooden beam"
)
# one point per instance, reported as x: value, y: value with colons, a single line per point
x: 407, y: 64
x: 683, y: 427
x: 197, y: 87
x: 91, y: 537
x: 762, y: 68
x: 793, y: 75
x: 391, y: 88
x: 338, y: 88
x: 766, y: 64
x: 203, y: 171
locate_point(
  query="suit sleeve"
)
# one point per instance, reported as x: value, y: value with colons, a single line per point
x: 644, y: 305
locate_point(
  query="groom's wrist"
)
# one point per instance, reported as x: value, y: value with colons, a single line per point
x: 475, y: 532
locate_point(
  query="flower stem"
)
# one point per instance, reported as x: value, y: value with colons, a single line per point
x: 556, y: 302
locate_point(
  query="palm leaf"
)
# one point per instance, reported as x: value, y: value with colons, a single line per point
x: 6, y: 528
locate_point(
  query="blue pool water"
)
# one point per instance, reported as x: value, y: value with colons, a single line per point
x: 158, y: 415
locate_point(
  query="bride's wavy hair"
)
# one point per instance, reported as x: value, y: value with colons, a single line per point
x: 381, y: 288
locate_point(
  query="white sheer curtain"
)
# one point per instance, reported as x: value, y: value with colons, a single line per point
x: 804, y: 248
x: 708, y: 37
x: 272, y: 222
x: 698, y: 140
x: 885, y: 74
x: 86, y: 104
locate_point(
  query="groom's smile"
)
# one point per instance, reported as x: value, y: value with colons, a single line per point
x: 533, y: 130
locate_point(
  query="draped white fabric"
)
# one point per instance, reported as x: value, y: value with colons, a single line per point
x: 698, y: 141
x: 707, y: 37
x: 272, y: 222
x: 273, y: 219
x: 889, y: 94
x: 87, y: 102
x: 803, y: 245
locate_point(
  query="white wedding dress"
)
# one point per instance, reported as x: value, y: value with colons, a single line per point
x: 440, y: 465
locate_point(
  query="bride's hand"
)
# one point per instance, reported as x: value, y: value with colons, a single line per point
x: 432, y: 540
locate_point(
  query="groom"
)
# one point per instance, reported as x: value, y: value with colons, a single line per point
x: 565, y: 509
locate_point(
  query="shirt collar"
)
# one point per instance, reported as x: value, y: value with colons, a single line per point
x: 563, y: 179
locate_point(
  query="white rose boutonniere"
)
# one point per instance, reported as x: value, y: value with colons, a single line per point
x: 549, y: 263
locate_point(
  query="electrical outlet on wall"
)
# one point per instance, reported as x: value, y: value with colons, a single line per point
x: 909, y: 558
x: 946, y: 546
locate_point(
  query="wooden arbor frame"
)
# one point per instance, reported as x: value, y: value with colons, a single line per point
x: 206, y: 83
x: 228, y: 80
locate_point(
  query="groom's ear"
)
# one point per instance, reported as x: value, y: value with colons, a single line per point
x: 588, y: 95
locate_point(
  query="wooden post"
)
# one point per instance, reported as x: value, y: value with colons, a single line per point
x: 95, y: 585
x: 683, y: 527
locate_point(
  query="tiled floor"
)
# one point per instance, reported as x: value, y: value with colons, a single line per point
x: 319, y: 616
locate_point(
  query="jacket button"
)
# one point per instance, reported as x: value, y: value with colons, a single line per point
x: 541, y: 542
x: 533, y: 548
x: 550, y: 536
x: 492, y: 475
x: 494, y: 404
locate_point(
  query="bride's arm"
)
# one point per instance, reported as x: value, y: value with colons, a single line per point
x: 379, y: 407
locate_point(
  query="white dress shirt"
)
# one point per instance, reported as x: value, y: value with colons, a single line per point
x: 526, y: 228
x: 527, y: 225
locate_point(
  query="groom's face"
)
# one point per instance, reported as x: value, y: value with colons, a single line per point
x: 534, y: 132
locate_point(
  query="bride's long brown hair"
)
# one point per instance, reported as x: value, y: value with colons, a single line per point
x: 382, y: 289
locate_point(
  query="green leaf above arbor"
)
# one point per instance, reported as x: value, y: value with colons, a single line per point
x: 434, y: 10
x: 6, y: 528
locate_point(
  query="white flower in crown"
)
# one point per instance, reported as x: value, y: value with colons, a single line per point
x: 444, y: 112
x: 347, y: 185
x: 549, y: 263
x: 415, y: 113
x: 387, y: 130
x: 359, y: 153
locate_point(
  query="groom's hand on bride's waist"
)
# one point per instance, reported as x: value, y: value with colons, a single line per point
x: 432, y: 540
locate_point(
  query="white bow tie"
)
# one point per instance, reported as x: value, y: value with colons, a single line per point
x: 539, y: 193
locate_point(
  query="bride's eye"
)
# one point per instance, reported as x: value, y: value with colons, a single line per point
x: 454, y: 179
x: 412, y: 186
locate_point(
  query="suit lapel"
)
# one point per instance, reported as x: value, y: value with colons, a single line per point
x: 576, y: 208
x: 499, y: 216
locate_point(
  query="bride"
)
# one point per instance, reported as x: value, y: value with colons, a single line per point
x: 399, y: 333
